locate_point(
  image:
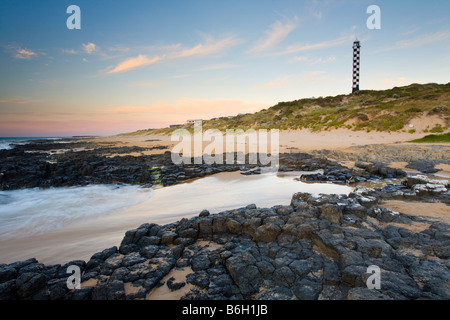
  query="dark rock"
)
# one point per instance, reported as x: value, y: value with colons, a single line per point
x: 205, y: 227
x: 62, y: 272
x: 332, y: 292
x: 177, y: 251
x: 173, y: 286
x: 399, y: 286
x: 113, y: 262
x: 283, y: 276
x: 356, y: 209
x: 306, y: 290
x: 168, y: 237
x: 20, y: 264
x: 105, y: 254
x: 93, y: 263
x: 199, y: 279
x: 204, y: 213
x: 7, y: 273
x: 82, y: 294
x: 128, y: 248
x: 301, y: 267
x: 119, y: 274
x: 219, y: 225
x: 244, y: 273
x: 331, y: 273
x: 277, y: 293
x: 189, y: 233
x: 51, y: 272
x: 201, y: 262
x: 354, y: 275
x: 58, y: 290
x: 152, y: 240
x: 332, y: 213
x: 363, y: 293
x: 350, y: 258
x: 267, y: 232
x: 233, y: 226
x: 132, y: 259
x: 32, y: 268
x: 29, y: 283
x: 7, y: 289
x: 113, y: 290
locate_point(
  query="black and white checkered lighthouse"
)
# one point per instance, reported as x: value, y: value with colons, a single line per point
x: 356, y: 59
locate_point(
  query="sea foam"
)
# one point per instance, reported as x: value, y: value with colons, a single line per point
x: 38, y: 211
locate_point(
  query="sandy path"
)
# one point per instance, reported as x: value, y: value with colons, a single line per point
x: 303, y: 140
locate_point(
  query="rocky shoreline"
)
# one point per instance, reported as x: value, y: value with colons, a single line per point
x: 318, y: 247
x: 315, y: 248
x: 42, y: 164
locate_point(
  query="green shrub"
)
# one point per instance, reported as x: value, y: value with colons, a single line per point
x: 434, y: 138
x: 413, y: 110
x: 437, y: 129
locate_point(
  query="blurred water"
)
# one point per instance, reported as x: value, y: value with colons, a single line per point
x: 62, y: 224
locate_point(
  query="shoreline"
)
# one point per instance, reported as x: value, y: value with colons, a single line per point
x: 261, y: 253
x: 149, y: 253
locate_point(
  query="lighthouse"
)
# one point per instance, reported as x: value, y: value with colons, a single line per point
x: 356, y: 59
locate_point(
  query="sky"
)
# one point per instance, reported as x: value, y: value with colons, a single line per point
x: 148, y: 64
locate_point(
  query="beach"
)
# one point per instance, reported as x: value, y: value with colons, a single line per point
x: 142, y: 227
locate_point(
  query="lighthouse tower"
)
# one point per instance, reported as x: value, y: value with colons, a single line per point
x: 356, y: 52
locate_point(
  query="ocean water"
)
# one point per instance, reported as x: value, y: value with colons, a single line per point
x: 9, y: 142
x: 35, y: 211
x: 57, y: 225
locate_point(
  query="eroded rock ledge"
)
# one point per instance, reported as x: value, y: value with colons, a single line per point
x: 318, y: 247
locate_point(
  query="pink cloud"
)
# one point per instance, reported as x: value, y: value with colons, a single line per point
x: 133, y: 63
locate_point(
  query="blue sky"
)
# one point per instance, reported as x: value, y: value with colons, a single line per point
x: 143, y: 64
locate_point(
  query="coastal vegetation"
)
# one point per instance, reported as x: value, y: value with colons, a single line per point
x: 367, y: 110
